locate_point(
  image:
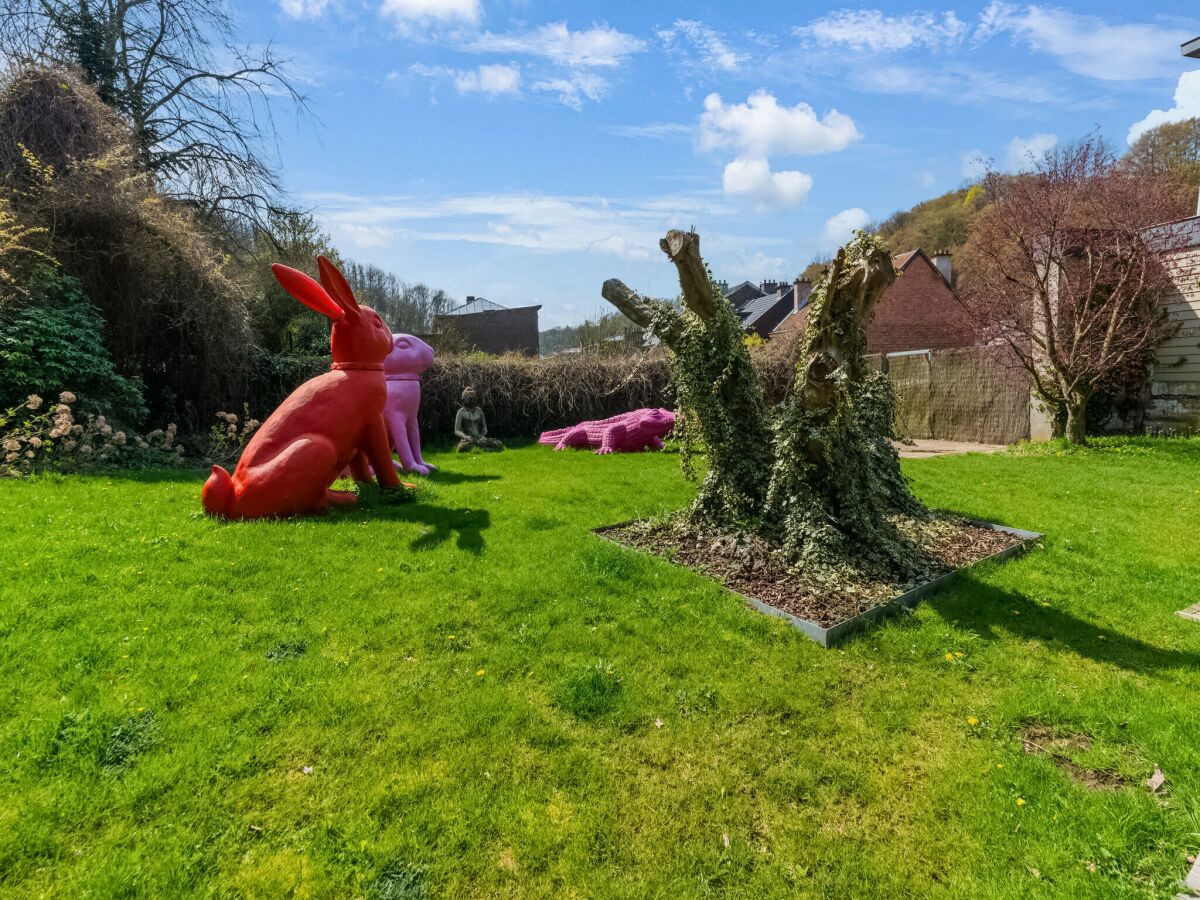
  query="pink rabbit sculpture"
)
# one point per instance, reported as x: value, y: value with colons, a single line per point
x: 402, y: 368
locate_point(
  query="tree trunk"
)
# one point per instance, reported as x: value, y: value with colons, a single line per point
x: 1076, y: 428
x: 836, y: 481
x: 720, y: 395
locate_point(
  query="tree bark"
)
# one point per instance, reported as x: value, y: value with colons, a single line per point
x: 1076, y: 429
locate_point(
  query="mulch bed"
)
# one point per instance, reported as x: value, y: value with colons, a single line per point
x: 750, y: 566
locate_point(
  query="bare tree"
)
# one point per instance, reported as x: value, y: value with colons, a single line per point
x: 1068, y: 273
x: 199, y: 105
x: 406, y: 307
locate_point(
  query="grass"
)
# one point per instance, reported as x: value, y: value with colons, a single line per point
x: 474, y: 696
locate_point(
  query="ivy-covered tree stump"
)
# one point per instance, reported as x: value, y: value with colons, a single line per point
x: 719, y: 393
x: 820, y: 480
x: 836, y: 485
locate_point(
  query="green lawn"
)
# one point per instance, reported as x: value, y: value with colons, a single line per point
x: 494, y: 702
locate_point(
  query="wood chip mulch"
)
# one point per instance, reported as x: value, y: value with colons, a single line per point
x: 750, y: 566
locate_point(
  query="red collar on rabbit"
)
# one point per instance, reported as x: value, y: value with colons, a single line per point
x: 403, y: 376
x: 370, y: 367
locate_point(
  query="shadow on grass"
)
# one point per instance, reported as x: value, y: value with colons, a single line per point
x: 442, y: 476
x: 987, y: 610
x: 464, y: 524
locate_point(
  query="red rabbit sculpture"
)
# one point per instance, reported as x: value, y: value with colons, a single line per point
x: 327, y: 423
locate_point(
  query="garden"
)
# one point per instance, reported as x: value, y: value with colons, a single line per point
x: 303, y: 595
x: 474, y: 695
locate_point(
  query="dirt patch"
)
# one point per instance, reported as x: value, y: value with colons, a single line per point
x: 1043, y: 740
x: 749, y: 565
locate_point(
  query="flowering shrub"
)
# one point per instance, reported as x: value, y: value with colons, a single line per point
x: 38, y: 436
x: 226, y: 440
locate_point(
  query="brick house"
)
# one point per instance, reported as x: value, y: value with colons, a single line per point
x: 492, y: 328
x: 919, y: 311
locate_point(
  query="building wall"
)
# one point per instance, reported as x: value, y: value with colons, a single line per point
x: 919, y: 312
x: 1175, y: 380
x: 496, y: 331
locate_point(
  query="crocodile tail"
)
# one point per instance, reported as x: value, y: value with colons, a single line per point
x: 217, y: 494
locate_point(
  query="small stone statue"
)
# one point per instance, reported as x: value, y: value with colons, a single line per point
x: 470, y: 425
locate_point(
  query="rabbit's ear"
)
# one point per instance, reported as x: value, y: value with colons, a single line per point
x: 308, y: 292
x: 336, y: 284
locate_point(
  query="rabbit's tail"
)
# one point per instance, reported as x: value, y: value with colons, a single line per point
x: 217, y: 494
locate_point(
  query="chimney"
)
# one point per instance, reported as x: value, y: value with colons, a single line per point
x: 941, y: 259
x: 801, y: 288
x: 470, y: 299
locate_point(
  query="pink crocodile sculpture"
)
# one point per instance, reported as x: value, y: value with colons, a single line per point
x: 627, y: 433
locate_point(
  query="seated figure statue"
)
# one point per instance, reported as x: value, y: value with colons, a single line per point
x: 470, y: 425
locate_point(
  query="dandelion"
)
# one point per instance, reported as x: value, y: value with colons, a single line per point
x: 86, y: 450
x: 958, y: 654
x: 106, y: 429
x: 949, y: 657
x: 1020, y: 801
x: 972, y: 721
x: 76, y: 430
x: 33, y: 401
x: 481, y: 673
x: 35, y: 442
x: 119, y: 439
x: 231, y: 418
x: 66, y: 397
x: 12, y: 444
x: 999, y: 765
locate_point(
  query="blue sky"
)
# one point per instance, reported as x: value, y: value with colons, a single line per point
x: 525, y: 151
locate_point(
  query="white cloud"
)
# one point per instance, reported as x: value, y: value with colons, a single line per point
x: 839, y: 228
x: 537, y: 222
x: 619, y: 246
x: 927, y: 179
x: 753, y: 178
x: 1086, y: 45
x: 439, y: 11
x: 753, y: 266
x: 760, y: 127
x: 598, y: 46
x: 974, y: 165
x: 661, y: 131
x: 711, y: 50
x: 872, y: 29
x: 1187, y: 106
x: 491, y: 80
x: 574, y: 88
x: 1025, y: 153
x: 957, y: 84
x: 303, y: 9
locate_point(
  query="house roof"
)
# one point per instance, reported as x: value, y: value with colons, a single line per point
x: 737, y: 287
x: 751, y: 312
x: 477, y: 305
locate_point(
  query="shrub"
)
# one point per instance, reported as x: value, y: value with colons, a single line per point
x: 55, y: 343
x: 37, y: 436
x: 174, y: 316
x: 524, y: 396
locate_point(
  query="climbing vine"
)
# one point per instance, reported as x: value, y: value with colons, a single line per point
x: 821, y: 479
